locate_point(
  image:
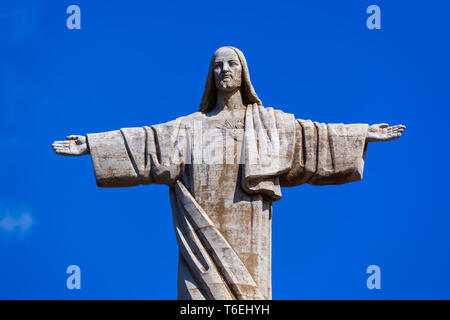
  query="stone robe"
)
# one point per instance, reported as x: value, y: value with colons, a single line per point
x: 223, y: 178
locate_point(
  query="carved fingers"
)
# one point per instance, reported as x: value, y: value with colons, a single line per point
x: 61, y: 147
x: 74, y: 146
x: 395, y: 132
x: 398, y: 128
x: 383, y: 132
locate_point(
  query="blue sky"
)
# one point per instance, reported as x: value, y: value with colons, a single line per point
x: 137, y: 63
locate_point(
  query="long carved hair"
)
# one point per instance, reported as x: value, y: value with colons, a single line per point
x: 248, y: 93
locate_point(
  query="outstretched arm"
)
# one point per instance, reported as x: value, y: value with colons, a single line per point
x: 129, y: 156
x: 333, y: 153
x: 383, y: 132
x: 75, y: 145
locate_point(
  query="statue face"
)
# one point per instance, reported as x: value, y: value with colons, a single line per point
x: 227, y: 70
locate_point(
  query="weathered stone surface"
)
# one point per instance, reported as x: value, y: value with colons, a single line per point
x: 225, y: 165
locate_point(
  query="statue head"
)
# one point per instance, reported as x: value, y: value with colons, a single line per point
x: 228, y: 71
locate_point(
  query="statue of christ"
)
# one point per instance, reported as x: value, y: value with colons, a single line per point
x: 225, y: 166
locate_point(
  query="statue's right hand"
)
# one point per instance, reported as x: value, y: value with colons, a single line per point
x: 74, y: 146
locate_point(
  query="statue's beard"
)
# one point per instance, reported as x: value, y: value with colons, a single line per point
x: 228, y: 84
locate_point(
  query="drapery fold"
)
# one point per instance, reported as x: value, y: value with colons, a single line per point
x: 210, y: 257
x: 281, y: 151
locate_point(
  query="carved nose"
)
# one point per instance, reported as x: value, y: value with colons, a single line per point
x: 226, y: 67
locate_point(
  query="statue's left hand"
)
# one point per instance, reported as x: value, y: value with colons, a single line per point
x: 383, y: 132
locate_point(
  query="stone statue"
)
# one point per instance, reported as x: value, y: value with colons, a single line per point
x: 224, y: 166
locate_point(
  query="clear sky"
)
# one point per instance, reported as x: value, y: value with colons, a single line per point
x: 136, y: 63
